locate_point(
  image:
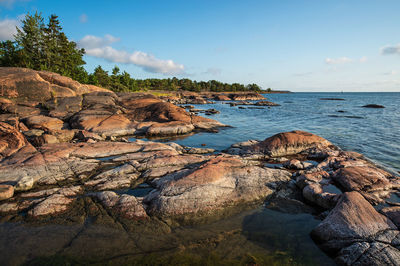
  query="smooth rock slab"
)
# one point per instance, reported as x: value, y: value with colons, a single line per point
x: 352, y: 219
x: 220, y: 182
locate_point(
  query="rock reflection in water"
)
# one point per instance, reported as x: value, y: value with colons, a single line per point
x: 258, y: 236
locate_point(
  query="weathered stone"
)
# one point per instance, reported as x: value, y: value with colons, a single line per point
x: 362, y: 178
x: 11, y: 140
x: 116, y: 178
x: 287, y: 143
x: 54, y: 204
x: 352, y: 219
x: 44, y: 122
x: 296, y: 164
x: 315, y: 194
x: 393, y: 213
x: 218, y: 183
x: 126, y: 206
x: 6, y: 192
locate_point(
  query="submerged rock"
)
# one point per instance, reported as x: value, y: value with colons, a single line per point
x: 373, y: 106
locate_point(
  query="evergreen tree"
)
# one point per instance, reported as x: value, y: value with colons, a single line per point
x: 31, y: 41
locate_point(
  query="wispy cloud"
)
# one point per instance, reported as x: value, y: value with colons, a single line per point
x: 8, y: 29
x: 336, y: 61
x: 83, y: 18
x: 391, y: 49
x: 100, y: 48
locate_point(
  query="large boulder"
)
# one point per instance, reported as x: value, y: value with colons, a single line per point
x: 221, y: 182
x: 44, y: 122
x: 288, y: 143
x: 354, y: 230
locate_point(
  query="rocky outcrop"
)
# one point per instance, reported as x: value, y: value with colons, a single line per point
x: 356, y: 233
x: 373, y: 106
x: 219, y: 183
x: 288, y: 143
x: 23, y: 84
x: 6, y: 192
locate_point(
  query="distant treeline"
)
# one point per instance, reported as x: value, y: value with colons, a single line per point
x: 41, y: 46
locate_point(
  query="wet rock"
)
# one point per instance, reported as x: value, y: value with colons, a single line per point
x: 288, y: 143
x: 353, y: 219
x: 373, y: 106
x: 220, y: 182
x: 158, y: 161
x: 6, y: 192
x: 44, y: 122
x: 266, y: 103
x: 332, y: 99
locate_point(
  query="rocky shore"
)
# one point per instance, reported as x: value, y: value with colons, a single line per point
x: 63, y: 160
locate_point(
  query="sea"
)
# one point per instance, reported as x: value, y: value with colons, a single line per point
x: 372, y: 132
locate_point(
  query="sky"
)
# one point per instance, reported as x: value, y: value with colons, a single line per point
x: 297, y: 45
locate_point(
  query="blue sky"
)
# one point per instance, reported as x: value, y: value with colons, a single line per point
x: 295, y: 45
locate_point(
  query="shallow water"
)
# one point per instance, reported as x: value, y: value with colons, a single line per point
x: 372, y: 132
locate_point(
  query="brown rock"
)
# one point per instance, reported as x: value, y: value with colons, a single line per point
x: 362, y: 178
x: 30, y: 85
x: 287, y: 143
x: 219, y: 183
x: 221, y: 97
x: 11, y: 140
x: 393, y: 213
x: 126, y: 206
x: 353, y: 218
x: 44, y: 122
x: 6, y: 192
x: 54, y: 204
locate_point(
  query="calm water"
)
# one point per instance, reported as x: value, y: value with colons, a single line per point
x: 372, y: 132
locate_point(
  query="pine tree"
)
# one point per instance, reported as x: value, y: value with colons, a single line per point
x: 31, y: 40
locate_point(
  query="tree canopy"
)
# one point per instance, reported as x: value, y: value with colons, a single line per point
x: 41, y: 46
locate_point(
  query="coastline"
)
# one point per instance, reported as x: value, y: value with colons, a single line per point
x: 70, y: 164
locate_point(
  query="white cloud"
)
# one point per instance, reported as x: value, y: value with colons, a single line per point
x: 100, y: 48
x: 83, y: 18
x: 391, y: 49
x: 92, y: 42
x: 340, y: 60
x: 8, y: 29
